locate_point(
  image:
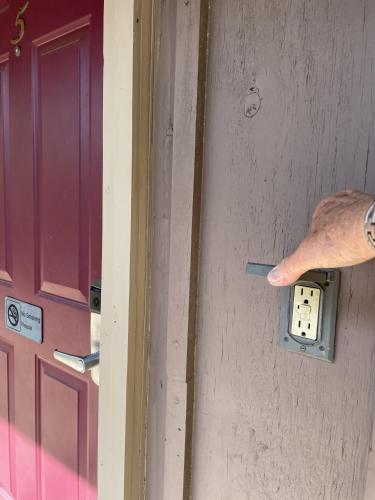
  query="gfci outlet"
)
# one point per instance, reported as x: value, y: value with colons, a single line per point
x: 305, y: 312
x: 308, y: 314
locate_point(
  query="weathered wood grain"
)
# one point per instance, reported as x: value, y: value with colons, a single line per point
x: 370, y: 482
x: 164, y: 27
x: 273, y: 425
x: 176, y: 175
x: 137, y: 374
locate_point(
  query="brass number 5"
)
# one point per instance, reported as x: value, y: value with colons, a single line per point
x: 20, y: 23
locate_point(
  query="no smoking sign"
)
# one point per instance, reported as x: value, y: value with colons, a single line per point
x: 23, y: 318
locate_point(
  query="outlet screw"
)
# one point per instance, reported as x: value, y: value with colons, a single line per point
x: 302, y: 348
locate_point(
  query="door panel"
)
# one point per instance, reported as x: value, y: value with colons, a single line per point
x: 5, y: 225
x: 61, y: 131
x: 50, y: 243
x: 6, y: 417
x: 271, y: 424
x: 61, y: 430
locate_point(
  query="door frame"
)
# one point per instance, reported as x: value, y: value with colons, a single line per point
x: 126, y: 194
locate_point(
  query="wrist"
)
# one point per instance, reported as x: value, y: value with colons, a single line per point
x: 369, y: 225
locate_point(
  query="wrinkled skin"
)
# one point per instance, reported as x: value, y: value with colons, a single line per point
x: 336, y: 238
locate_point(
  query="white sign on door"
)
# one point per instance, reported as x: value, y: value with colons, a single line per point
x: 24, y: 318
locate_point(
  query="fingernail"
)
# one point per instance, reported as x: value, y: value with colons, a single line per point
x: 275, y: 276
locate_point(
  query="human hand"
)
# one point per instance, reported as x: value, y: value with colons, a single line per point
x: 336, y: 238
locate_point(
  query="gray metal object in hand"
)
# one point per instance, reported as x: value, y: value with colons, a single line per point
x: 258, y: 269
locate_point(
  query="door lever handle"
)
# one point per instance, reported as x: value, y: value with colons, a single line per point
x: 79, y: 363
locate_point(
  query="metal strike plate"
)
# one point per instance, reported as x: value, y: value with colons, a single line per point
x: 95, y: 325
x: 327, y: 281
x: 96, y: 297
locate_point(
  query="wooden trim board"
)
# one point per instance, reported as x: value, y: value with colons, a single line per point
x: 180, y: 59
x: 126, y: 143
x: 139, y: 256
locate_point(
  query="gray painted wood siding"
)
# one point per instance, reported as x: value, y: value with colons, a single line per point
x: 271, y: 424
x: 177, y: 159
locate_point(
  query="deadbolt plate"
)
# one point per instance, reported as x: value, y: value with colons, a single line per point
x: 328, y: 282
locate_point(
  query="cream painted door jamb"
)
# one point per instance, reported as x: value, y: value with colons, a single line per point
x: 126, y: 142
x: 117, y: 175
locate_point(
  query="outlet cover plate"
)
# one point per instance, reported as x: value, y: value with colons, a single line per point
x: 328, y: 281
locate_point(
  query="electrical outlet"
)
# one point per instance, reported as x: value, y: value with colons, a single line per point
x: 305, y: 312
x: 319, y: 339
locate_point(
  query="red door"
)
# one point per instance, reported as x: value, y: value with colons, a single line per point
x: 50, y: 242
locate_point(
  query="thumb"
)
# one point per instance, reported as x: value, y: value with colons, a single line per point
x: 288, y: 271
